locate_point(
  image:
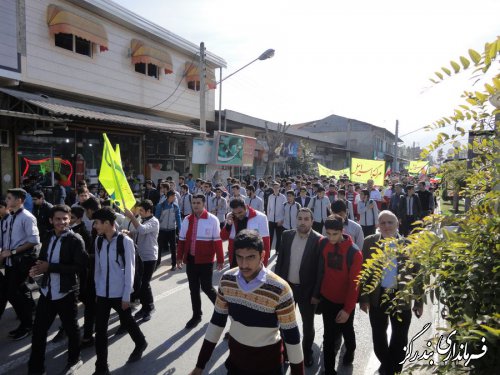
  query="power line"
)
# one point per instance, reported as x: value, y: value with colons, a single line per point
x: 177, y: 87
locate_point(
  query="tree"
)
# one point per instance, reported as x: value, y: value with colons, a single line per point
x: 460, y: 267
x: 304, y: 163
x: 274, y: 140
x: 440, y: 156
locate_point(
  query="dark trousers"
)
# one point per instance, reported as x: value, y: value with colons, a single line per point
x: 46, y: 312
x: 332, y: 333
x: 407, y: 224
x: 389, y: 353
x: 368, y: 230
x: 167, y: 242
x: 88, y: 300
x: 307, y: 311
x: 199, y: 275
x: 3, y: 293
x: 233, y: 370
x: 103, y: 309
x: 279, y: 231
x: 349, y: 335
x: 19, y: 295
x: 318, y: 227
x: 145, y: 292
x: 135, y: 295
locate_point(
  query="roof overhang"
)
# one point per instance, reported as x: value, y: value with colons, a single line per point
x: 89, y: 112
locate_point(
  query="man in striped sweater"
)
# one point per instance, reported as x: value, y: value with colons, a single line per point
x: 262, y: 312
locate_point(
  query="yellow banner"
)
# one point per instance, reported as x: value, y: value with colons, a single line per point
x: 417, y: 167
x: 363, y: 170
x: 324, y: 171
x: 113, y: 178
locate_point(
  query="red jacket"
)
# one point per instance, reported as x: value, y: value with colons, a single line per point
x: 256, y: 221
x: 208, y: 241
x: 339, y: 286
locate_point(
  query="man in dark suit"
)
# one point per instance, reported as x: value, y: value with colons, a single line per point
x: 298, y: 264
x: 410, y: 210
x: 303, y: 199
x: 390, y: 352
x: 151, y: 193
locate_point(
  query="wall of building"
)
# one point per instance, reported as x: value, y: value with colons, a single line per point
x: 7, y: 173
x: 109, y: 75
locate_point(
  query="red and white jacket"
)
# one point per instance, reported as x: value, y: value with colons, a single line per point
x: 208, y: 241
x: 256, y: 221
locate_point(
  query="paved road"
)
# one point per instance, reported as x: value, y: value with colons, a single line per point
x: 172, y: 349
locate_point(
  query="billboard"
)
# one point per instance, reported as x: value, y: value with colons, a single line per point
x: 234, y: 149
x: 202, y: 151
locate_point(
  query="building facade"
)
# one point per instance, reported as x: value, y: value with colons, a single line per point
x: 71, y: 70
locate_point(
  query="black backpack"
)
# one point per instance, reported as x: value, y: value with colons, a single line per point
x: 350, y: 253
x: 120, y: 247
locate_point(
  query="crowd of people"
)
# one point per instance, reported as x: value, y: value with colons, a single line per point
x: 322, y: 230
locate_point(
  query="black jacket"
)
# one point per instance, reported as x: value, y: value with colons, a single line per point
x: 416, y: 209
x: 308, y: 267
x: 42, y: 214
x: 73, y: 261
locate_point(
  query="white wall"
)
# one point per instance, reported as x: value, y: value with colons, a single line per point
x: 109, y: 75
x: 8, y: 32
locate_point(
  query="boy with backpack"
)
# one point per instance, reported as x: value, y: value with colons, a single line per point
x: 114, y: 277
x: 339, y: 267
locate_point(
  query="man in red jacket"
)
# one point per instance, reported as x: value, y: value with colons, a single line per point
x: 339, y: 267
x: 242, y: 217
x: 199, y: 242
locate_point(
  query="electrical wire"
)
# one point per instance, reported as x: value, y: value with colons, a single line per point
x: 177, y: 87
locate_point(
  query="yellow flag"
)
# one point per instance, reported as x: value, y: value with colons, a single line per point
x: 113, y: 178
x: 417, y: 167
x: 363, y: 170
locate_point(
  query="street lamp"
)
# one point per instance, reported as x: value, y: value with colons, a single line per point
x: 264, y: 56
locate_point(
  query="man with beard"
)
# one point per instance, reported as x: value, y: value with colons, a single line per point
x: 297, y: 264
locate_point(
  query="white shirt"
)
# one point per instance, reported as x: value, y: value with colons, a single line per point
x: 276, y: 208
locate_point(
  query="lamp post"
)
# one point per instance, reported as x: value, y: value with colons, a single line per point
x: 264, y: 56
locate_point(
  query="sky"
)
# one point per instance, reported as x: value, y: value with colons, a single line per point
x: 365, y: 60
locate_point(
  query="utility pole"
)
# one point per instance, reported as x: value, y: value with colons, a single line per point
x: 396, y: 164
x: 348, y: 143
x: 203, y: 121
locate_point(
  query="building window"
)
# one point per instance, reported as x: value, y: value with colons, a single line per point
x: 151, y: 70
x: 74, y: 43
x: 194, y: 85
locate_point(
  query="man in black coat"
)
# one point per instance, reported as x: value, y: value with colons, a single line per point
x: 410, y: 210
x: 62, y: 259
x: 151, y: 193
x: 297, y: 263
x: 41, y: 210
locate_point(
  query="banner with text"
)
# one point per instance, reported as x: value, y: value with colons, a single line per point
x: 324, y: 171
x: 417, y: 167
x: 363, y: 170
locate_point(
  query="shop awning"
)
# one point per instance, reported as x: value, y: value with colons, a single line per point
x: 193, y: 75
x: 77, y: 110
x: 64, y: 21
x: 142, y: 53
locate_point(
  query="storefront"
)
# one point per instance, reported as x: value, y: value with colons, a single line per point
x: 64, y: 142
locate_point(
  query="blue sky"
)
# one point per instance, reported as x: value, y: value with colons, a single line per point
x: 368, y: 60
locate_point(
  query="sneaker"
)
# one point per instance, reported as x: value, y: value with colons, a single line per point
x: 193, y: 322
x: 21, y: 334
x: 348, y: 358
x: 137, y: 352
x: 139, y: 314
x: 87, y: 343
x: 173, y: 268
x: 61, y: 335
x: 70, y: 369
x: 146, y: 317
